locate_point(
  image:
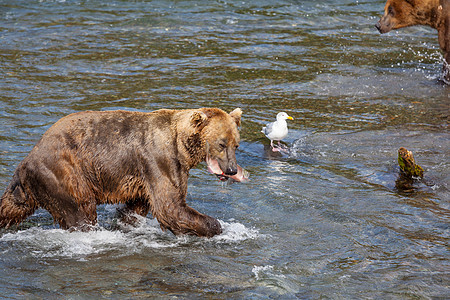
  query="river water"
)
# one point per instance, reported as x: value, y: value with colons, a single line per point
x: 326, y: 220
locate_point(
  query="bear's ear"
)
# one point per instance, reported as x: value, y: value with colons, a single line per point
x: 236, y: 115
x: 198, y: 119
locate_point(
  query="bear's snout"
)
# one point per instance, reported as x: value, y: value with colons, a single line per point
x: 230, y: 171
x: 378, y: 26
x: 229, y: 167
x: 383, y: 26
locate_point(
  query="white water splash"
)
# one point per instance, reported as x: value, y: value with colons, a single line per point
x: 259, y: 270
x: 62, y: 243
x: 272, y: 278
x: 236, y: 232
x: 58, y: 243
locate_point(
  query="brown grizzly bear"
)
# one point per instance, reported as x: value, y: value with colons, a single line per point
x: 140, y: 159
x: 434, y: 13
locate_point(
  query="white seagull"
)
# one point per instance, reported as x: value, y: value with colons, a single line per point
x: 276, y: 131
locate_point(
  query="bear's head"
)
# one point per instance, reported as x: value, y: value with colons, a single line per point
x: 222, y: 138
x: 403, y: 13
x: 217, y: 133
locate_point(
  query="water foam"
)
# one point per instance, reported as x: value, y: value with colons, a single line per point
x: 62, y: 243
x: 259, y: 270
x: 58, y: 243
x: 236, y: 232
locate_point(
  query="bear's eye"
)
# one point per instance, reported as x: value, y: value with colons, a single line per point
x: 391, y: 10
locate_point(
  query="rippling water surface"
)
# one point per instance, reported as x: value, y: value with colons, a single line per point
x: 328, y: 220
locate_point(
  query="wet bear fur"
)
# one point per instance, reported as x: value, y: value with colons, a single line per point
x: 433, y: 13
x: 139, y: 159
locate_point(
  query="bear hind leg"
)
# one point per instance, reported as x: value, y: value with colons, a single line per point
x: 75, y: 216
x: 127, y: 213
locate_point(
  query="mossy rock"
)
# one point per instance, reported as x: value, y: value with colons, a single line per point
x: 408, y: 166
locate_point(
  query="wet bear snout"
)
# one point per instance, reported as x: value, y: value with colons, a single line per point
x: 232, y: 170
x: 378, y: 26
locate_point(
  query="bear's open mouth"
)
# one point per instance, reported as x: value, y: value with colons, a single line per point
x: 222, y: 177
x: 213, y: 167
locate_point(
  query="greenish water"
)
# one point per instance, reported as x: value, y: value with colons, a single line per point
x: 325, y: 221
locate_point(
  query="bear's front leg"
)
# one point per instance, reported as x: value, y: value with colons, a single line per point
x: 186, y: 220
x: 169, y: 207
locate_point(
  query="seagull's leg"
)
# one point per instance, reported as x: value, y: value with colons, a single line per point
x: 272, y: 145
x: 274, y: 148
x: 282, y: 148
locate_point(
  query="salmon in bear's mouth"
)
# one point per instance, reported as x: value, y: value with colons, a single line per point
x: 213, y: 167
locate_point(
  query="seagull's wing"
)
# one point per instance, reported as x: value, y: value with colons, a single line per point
x: 268, y: 129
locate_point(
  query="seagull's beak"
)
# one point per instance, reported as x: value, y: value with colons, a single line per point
x: 290, y: 118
